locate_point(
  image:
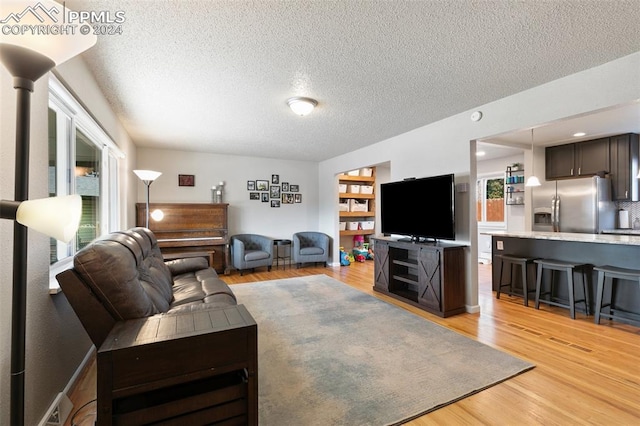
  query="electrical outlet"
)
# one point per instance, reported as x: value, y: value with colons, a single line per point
x: 499, y: 245
x: 54, y: 418
x: 59, y: 411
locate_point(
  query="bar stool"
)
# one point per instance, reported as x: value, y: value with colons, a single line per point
x: 512, y: 261
x: 607, y: 274
x: 569, y: 268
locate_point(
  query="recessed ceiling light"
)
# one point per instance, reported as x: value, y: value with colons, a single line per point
x: 579, y: 134
x: 480, y: 153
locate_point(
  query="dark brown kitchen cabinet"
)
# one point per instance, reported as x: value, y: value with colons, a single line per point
x: 624, y: 167
x: 577, y: 159
x: 592, y: 157
x: 559, y: 161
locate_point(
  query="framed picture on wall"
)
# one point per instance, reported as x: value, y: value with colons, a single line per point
x: 275, y: 179
x: 274, y: 190
x: 262, y: 185
x: 186, y: 180
x: 294, y: 188
x: 254, y: 195
x: 251, y: 185
x: 265, y: 197
x: 275, y: 203
x: 287, y: 198
x: 285, y: 186
x: 297, y: 198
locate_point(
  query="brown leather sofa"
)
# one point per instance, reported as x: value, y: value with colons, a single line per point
x: 172, y: 344
x: 123, y: 276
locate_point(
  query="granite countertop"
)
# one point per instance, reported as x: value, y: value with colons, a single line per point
x: 632, y: 240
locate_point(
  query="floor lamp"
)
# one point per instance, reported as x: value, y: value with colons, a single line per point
x: 28, y: 57
x: 147, y: 177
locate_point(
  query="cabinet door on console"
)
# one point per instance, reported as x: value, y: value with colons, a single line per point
x: 429, y: 292
x: 381, y: 265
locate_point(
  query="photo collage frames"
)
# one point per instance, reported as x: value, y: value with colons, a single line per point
x: 274, y: 191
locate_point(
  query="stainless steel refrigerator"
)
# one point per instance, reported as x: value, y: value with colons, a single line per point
x: 574, y: 205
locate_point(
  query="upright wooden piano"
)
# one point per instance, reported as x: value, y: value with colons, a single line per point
x: 190, y: 228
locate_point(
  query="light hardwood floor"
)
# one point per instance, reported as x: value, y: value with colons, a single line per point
x: 584, y: 374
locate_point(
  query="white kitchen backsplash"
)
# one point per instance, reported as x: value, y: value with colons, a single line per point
x: 633, y: 207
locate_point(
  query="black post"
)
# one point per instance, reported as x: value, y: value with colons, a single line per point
x: 26, y: 66
x: 19, y: 301
x: 148, y: 183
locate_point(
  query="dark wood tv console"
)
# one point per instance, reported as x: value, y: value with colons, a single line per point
x: 430, y: 276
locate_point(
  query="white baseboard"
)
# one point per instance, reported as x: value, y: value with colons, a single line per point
x: 472, y: 309
x: 62, y: 406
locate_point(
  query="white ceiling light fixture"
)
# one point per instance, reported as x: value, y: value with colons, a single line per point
x: 533, y: 179
x: 480, y: 153
x: 579, y: 134
x: 302, y: 106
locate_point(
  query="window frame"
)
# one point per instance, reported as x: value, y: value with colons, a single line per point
x: 71, y: 117
x: 482, y: 179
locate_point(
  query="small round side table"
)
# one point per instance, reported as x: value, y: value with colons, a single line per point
x: 286, y: 256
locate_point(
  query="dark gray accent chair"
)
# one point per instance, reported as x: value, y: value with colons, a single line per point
x: 249, y: 251
x: 310, y: 247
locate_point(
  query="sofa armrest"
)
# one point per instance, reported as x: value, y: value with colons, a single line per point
x: 237, y: 249
x: 189, y: 264
x: 94, y: 316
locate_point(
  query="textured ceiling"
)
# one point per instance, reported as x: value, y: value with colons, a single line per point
x: 214, y: 76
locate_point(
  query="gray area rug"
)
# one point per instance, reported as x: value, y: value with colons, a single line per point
x: 332, y: 355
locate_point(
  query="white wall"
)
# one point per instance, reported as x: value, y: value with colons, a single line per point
x: 56, y: 343
x: 445, y: 146
x: 245, y: 215
x: 77, y: 77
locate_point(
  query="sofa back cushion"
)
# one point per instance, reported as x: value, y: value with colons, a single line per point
x: 125, y: 273
x: 155, y: 276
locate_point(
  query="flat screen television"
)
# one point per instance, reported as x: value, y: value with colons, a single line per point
x: 422, y: 209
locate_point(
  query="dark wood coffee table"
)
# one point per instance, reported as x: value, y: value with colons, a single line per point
x: 199, y: 367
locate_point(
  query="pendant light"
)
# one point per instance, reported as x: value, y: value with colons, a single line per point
x: 533, y: 179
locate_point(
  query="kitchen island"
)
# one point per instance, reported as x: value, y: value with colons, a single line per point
x: 592, y: 249
x: 625, y: 231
